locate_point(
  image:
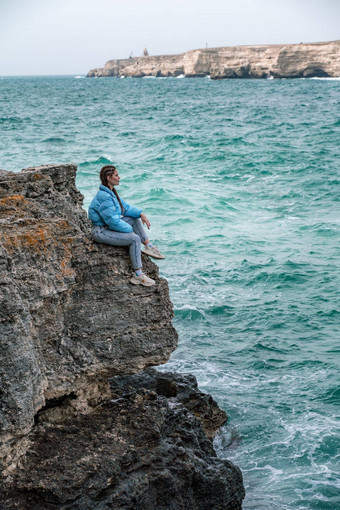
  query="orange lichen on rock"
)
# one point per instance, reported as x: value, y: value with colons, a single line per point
x: 35, y: 241
x: 14, y: 206
x: 15, y: 200
x: 65, y: 265
x: 39, y: 237
x: 66, y: 243
x: 49, y: 239
x: 64, y: 224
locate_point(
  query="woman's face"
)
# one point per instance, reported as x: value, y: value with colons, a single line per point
x: 113, y: 179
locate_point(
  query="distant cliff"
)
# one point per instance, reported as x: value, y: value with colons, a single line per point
x: 76, y: 429
x: 303, y: 60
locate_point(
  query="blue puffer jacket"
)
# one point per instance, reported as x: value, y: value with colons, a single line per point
x: 105, y: 210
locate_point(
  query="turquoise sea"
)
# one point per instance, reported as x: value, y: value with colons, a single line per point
x: 240, y: 181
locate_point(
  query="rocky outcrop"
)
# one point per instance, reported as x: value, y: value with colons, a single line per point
x: 70, y: 437
x: 260, y: 61
x: 68, y: 315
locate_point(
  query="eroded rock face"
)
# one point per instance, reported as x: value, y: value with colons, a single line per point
x: 142, y: 449
x: 68, y: 315
x: 81, y: 426
x: 260, y: 61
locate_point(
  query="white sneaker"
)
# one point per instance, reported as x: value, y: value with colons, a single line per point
x: 142, y: 280
x: 153, y: 252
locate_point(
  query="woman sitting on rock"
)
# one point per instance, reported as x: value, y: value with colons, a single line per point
x: 120, y: 224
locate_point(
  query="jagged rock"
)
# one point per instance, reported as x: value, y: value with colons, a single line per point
x: 183, y: 388
x: 69, y: 320
x: 260, y: 61
x: 140, y: 450
x: 68, y: 315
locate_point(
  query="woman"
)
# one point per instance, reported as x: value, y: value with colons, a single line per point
x: 118, y: 223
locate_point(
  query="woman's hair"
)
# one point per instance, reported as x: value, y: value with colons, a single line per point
x: 104, y: 174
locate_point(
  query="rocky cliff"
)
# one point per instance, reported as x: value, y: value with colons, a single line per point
x: 76, y: 430
x: 260, y: 61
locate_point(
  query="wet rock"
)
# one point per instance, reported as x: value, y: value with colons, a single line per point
x: 181, y: 387
x: 139, y: 450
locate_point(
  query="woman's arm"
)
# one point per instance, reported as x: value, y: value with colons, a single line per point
x: 135, y: 212
x: 110, y: 215
x: 131, y: 210
x: 145, y: 220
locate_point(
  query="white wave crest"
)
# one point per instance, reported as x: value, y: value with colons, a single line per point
x: 326, y: 78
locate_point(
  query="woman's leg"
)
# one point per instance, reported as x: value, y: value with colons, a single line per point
x: 138, y: 228
x: 132, y: 240
x: 137, y: 225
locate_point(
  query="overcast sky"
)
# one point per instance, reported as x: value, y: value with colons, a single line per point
x: 73, y: 36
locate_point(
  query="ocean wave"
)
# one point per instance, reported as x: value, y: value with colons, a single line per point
x: 54, y: 139
x: 220, y: 310
x: 278, y: 279
x: 12, y: 120
x: 189, y: 313
x: 101, y: 160
x: 324, y: 78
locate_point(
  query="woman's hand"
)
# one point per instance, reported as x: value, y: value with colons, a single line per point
x: 145, y: 220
